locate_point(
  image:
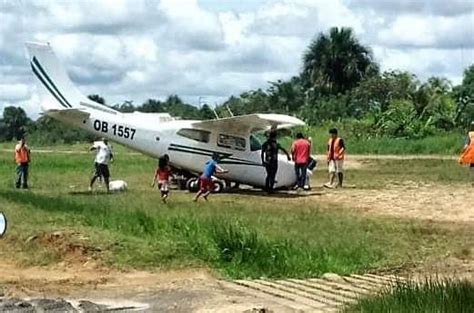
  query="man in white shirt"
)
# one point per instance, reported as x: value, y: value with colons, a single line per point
x: 103, y: 157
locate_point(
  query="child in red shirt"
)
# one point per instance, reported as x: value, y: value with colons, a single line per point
x: 162, y: 174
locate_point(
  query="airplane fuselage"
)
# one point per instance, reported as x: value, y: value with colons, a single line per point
x: 188, y: 147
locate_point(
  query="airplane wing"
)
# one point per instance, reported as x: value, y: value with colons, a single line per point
x: 251, y: 122
x: 70, y: 114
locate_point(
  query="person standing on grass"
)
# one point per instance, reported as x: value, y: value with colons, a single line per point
x: 467, y: 155
x: 300, y: 151
x: 162, y: 175
x: 103, y: 157
x: 269, y: 157
x: 205, y: 180
x: 22, y: 159
x: 335, y: 154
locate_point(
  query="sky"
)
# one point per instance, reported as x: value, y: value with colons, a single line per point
x: 208, y: 50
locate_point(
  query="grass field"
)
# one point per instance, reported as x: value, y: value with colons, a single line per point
x: 234, y: 235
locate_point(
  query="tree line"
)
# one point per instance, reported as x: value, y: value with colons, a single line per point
x: 339, y: 81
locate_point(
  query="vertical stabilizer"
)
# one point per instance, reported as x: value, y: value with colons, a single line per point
x: 55, y: 87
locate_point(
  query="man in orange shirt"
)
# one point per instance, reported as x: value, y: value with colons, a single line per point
x: 22, y: 159
x: 300, y: 151
x: 336, y: 152
x: 467, y: 155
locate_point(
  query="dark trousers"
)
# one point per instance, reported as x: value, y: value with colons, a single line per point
x: 272, y: 169
x: 300, y: 170
x: 22, y: 175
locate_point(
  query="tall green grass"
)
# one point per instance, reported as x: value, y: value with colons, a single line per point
x: 447, y: 143
x: 434, y: 295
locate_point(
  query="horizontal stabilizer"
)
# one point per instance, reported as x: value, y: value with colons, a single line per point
x: 69, y: 114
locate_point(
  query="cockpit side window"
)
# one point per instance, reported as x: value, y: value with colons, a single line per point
x: 231, y: 142
x: 195, y: 134
x: 255, y: 143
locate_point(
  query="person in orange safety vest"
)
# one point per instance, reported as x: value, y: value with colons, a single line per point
x: 22, y: 159
x: 467, y: 155
x: 335, y: 154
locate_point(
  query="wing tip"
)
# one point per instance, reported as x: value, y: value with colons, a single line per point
x: 37, y: 44
x: 34, y: 47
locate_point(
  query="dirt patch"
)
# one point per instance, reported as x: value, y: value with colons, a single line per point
x: 410, y: 200
x: 70, y: 247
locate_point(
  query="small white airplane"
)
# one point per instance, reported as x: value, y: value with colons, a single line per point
x: 189, y: 143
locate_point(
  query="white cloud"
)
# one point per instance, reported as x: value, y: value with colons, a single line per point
x: 14, y: 92
x: 431, y: 31
x: 139, y: 49
x: 429, y: 62
x: 420, y: 7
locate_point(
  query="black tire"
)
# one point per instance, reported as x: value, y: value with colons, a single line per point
x: 218, y: 186
x: 192, y: 184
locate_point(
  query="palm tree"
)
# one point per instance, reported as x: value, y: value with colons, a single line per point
x: 336, y: 62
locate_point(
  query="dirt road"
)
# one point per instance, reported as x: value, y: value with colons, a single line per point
x: 170, y: 291
x: 91, y: 290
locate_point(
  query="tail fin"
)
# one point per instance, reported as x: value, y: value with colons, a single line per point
x: 56, y: 88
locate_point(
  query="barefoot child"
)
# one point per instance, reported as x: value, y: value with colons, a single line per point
x: 162, y: 174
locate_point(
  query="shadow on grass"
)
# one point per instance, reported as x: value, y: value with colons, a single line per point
x: 89, y: 193
x: 276, y: 194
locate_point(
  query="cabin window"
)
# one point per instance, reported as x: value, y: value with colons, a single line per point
x: 194, y: 134
x: 255, y: 143
x: 232, y: 142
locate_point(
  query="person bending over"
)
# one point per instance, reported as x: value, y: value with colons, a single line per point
x: 102, y: 158
x: 206, y: 184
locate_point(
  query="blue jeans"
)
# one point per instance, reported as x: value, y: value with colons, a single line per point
x: 300, y: 170
x: 22, y: 175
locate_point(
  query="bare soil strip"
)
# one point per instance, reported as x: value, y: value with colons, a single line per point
x: 435, y: 203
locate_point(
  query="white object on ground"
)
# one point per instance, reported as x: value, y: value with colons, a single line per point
x: 118, y: 185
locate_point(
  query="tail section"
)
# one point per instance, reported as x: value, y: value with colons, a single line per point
x: 56, y: 88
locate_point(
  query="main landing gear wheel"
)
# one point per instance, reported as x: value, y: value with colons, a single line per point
x: 218, y: 186
x: 192, y: 185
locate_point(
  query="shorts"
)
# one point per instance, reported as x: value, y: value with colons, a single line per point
x: 102, y: 170
x: 336, y: 166
x: 163, y: 185
x: 206, y: 183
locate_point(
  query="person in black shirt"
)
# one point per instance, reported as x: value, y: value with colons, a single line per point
x: 269, y: 156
